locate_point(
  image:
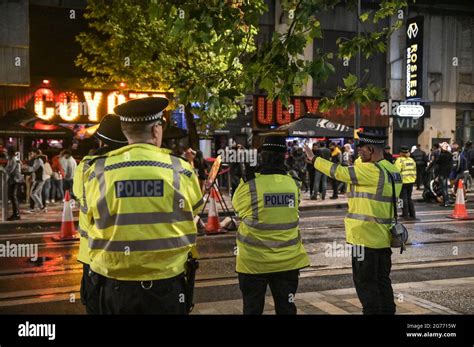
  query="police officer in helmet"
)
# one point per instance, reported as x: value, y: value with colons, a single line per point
x: 369, y: 219
x: 142, y: 203
x: 269, y: 247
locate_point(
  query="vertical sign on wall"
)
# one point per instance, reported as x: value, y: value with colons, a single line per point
x: 414, y: 58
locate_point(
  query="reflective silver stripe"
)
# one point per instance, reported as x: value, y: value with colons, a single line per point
x: 83, y: 203
x: 267, y: 244
x: 381, y: 181
x: 83, y: 233
x: 372, y: 219
x: 265, y: 226
x: 143, y: 245
x: 332, y: 171
x: 369, y: 196
x: 353, y: 176
x: 107, y: 220
x: 253, y: 198
x: 199, y: 203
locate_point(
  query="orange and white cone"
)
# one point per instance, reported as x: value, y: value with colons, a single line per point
x: 68, y: 231
x: 460, y: 211
x: 213, y: 226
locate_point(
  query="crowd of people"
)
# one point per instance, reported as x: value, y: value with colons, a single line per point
x: 43, y: 179
x: 313, y: 181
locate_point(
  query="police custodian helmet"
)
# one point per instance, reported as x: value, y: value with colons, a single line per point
x: 110, y: 131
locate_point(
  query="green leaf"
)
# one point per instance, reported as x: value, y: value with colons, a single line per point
x: 350, y: 80
x: 364, y: 16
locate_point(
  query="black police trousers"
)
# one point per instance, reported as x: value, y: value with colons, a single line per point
x: 141, y: 297
x: 89, y: 292
x: 371, y: 274
x: 408, y: 205
x: 283, y: 286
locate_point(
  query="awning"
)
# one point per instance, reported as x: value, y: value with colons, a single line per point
x: 311, y: 126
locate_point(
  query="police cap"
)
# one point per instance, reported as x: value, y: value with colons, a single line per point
x: 371, y: 139
x: 144, y: 110
x: 274, y: 144
x: 404, y: 149
x: 110, y: 131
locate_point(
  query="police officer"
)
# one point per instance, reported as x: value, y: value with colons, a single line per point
x: 369, y: 220
x: 109, y: 133
x: 269, y: 247
x: 141, y: 201
x: 407, y: 167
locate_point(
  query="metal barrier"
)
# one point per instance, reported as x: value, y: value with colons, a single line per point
x: 4, y: 193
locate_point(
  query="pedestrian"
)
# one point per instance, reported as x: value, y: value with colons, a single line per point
x: 433, y: 158
x: 57, y: 192
x: 142, y: 200
x: 469, y: 172
x: 336, y: 158
x: 387, y: 155
x: 14, y: 179
x: 369, y: 220
x: 269, y: 247
x: 407, y: 168
x: 36, y: 168
x: 421, y: 160
x: 459, y: 169
x: 311, y: 171
x: 111, y: 137
x: 443, y: 164
x: 320, y: 179
x: 69, y: 165
x: 47, y: 173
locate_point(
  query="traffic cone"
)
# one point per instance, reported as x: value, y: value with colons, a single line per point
x: 460, y: 211
x: 68, y: 231
x: 213, y: 226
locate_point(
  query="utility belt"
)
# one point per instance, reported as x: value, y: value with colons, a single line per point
x: 102, y: 281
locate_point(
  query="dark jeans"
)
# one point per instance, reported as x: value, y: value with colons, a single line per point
x: 335, y: 187
x: 67, y: 185
x: 57, y: 189
x: 320, y: 183
x: 46, y: 190
x: 371, y: 274
x: 311, y: 181
x: 420, y: 175
x: 13, y: 196
x: 147, y: 297
x: 89, y: 292
x: 444, y: 188
x: 405, y: 195
x: 282, y: 284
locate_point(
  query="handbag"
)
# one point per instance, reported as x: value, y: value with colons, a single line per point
x: 398, y: 230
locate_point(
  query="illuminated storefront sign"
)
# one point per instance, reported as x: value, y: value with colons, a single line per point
x: 80, y: 106
x: 414, y: 58
x: 268, y: 113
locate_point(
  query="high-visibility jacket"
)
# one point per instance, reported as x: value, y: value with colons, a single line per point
x: 79, y: 189
x: 268, y: 239
x: 370, y: 213
x: 141, y: 202
x: 407, y: 167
